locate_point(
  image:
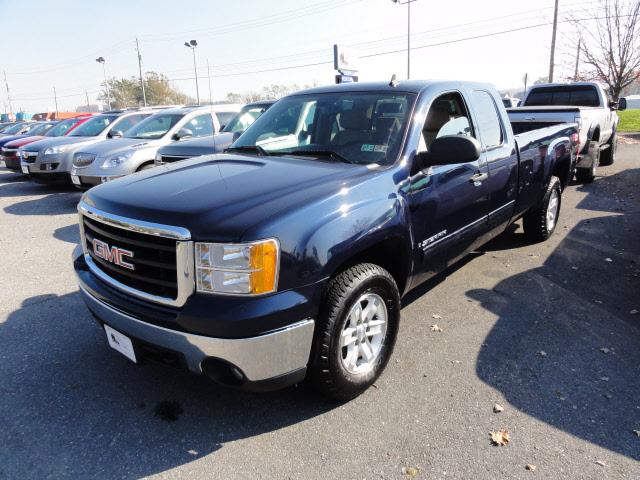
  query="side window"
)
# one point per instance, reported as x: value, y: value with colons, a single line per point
x: 127, y: 123
x: 447, y: 115
x: 201, y: 125
x: 224, y: 118
x: 488, y: 119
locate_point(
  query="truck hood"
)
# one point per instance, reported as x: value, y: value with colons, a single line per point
x: 197, y: 146
x: 219, y: 197
x: 120, y: 145
x: 55, y: 141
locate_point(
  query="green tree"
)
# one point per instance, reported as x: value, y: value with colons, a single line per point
x: 126, y: 92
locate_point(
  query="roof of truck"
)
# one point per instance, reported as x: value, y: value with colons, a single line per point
x: 405, y: 86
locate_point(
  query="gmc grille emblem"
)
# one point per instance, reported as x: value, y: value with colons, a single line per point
x: 113, y: 254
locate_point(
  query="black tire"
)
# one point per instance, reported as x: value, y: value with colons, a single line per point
x: 588, y: 175
x: 608, y: 156
x: 327, y: 372
x: 537, y: 227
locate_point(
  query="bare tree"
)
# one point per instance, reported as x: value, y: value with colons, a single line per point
x: 611, y: 50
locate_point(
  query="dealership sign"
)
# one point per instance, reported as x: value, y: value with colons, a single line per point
x: 345, y: 61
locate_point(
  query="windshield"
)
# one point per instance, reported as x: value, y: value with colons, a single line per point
x: 93, y: 127
x: 569, y: 95
x: 244, y: 119
x: 61, y: 128
x: 155, y: 126
x: 14, y: 128
x: 40, y: 129
x: 361, y: 128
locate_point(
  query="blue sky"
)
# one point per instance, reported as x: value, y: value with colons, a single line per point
x: 47, y: 44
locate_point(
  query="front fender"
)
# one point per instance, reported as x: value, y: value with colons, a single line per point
x: 316, y: 242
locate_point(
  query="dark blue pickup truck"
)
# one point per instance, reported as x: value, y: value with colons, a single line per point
x: 285, y: 258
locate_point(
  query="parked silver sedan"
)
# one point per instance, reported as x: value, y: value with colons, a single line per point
x: 136, y: 149
x: 49, y: 160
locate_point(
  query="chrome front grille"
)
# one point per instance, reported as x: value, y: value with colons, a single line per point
x: 158, y: 259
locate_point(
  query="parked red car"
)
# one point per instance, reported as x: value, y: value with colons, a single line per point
x: 9, y: 152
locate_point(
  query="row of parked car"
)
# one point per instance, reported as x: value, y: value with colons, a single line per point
x: 91, y: 149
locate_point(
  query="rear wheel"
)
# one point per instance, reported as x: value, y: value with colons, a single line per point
x: 355, y: 332
x: 540, y: 221
x: 608, y: 156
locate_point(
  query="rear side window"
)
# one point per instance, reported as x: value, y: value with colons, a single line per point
x: 563, y: 95
x: 225, y: 117
x: 201, y: 125
x: 488, y: 119
x: 128, y: 122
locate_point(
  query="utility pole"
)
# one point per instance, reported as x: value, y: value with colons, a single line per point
x: 575, y: 73
x: 55, y: 99
x: 408, y: 4
x: 526, y: 77
x: 6, y: 84
x: 87, y: 97
x: 553, y: 42
x: 144, y: 93
x: 209, y: 78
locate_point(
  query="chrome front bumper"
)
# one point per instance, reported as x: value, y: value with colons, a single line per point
x: 259, y: 358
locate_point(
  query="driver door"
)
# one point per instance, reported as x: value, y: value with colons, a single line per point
x: 449, y: 203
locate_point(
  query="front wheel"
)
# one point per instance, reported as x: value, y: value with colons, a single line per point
x: 540, y: 221
x: 608, y: 156
x: 588, y: 175
x: 356, y: 331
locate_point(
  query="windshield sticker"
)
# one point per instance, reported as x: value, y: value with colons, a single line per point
x: 368, y: 147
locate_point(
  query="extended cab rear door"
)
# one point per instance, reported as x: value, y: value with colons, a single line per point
x: 500, y: 155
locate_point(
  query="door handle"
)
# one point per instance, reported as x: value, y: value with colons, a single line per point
x: 478, y: 178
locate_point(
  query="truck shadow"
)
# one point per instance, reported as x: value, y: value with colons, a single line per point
x: 565, y: 348
x: 74, y: 408
x: 61, y: 202
x: 70, y: 234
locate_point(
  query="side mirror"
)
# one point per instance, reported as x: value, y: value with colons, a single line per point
x: 622, y: 104
x: 115, y: 134
x: 450, y: 150
x: 182, y: 134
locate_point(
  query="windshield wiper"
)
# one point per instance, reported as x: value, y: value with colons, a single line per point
x: 320, y: 153
x: 250, y: 149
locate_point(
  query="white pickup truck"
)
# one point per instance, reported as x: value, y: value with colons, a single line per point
x: 583, y: 103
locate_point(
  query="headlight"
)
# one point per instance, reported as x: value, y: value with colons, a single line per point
x: 116, y: 160
x: 237, y: 268
x: 57, y: 150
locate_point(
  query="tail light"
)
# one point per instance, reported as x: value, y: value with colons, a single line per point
x: 575, y: 139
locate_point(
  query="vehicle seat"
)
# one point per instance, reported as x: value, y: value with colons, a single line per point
x: 356, y: 126
x: 385, y: 128
x: 439, y: 114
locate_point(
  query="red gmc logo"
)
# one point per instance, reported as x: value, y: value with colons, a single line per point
x: 113, y: 255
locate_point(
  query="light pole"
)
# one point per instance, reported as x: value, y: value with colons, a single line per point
x: 408, y: 4
x: 106, y: 85
x: 192, y: 44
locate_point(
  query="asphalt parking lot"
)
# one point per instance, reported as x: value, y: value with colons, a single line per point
x: 547, y: 331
